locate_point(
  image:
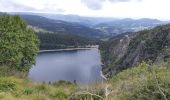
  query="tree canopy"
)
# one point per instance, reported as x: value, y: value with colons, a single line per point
x: 18, y: 44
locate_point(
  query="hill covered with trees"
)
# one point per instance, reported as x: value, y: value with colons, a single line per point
x: 60, y: 41
x: 58, y: 26
x: 120, y: 26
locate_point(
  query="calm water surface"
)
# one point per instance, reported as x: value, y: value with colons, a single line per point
x: 81, y: 65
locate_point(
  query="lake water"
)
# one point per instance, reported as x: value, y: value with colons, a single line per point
x: 84, y: 66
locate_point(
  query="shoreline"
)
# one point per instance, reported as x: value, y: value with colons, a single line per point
x: 68, y: 49
x: 55, y: 50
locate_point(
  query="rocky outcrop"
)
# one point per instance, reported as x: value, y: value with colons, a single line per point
x: 126, y: 51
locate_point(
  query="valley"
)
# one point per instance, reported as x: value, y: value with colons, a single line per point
x: 48, y: 58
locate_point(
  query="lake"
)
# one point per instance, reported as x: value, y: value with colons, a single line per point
x: 84, y: 66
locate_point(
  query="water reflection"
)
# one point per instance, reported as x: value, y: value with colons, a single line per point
x: 80, y: 65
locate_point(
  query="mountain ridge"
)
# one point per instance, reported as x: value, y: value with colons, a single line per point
x: 59, y: 26
x: 128, y: 25
x: 98, y: 25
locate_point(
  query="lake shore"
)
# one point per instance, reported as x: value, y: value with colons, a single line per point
x: 69, y: 49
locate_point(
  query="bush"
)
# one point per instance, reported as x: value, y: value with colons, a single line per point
x: 62, y: 83
x: 28, y: 91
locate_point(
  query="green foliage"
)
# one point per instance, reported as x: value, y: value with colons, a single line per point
x: 57, y: 26
x: 147, y: 45
x: 18, y: 44
x: 28, y: 91
x: 7, y: 85
x: 4, y: 71
x: 59, y: 95
x: 62, y: 40
x: 12, y: 88
x: 41, y: 87
x: 87, y: 96
x: 7, y: 71
x: 62, y: 83
x: 144, y: 82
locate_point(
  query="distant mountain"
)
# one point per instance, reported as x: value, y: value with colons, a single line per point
x: 59, y: 26
x: 1, y: 13
x: 87, y: 21
x: 106, y: 26
x: 128, y: 25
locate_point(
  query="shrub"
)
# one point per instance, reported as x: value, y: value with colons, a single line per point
x: 28, y: 91
x: 62, y: 83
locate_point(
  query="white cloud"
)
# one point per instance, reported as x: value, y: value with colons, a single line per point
x: 29, y: 5
x: 106, y: 8
x: 93, y: 4
x: 98, y: 4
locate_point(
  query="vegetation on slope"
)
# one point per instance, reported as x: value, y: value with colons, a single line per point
x: 143, y: 82
x: 51, y: 40
x: 58, y: 26
x: 127, y: 51
x: 15, y: 88
x: 18, y: 49
x: 128, y: 25
x: 18, y: 44
x: 61, y: 41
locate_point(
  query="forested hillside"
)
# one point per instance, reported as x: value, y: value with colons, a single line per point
x: 61, y: 41
x: 59, y: 26
x: 91, y: 27
x: 122, y: 52
x: 120, y: 26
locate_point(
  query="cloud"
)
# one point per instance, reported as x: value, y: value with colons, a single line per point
x: 15, y: 6
x: 98, y: 4
x: 93, y: 4
x: 119, y: 0
x: 9, y: 5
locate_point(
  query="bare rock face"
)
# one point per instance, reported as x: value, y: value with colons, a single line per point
x: 127, y: 51
x: 120, y: 49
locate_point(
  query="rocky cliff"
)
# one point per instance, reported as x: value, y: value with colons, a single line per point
x: 125, y: 51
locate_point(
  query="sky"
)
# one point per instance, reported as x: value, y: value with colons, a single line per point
x: 158, y: 9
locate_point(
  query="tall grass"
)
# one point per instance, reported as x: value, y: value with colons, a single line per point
x: 144, y: 82
x: 15, y: 87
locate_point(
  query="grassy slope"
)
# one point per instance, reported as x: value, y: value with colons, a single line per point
x: 143, y: 82
x: 19, y: 88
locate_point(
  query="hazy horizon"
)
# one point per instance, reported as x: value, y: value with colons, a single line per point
x: 135, y: 9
